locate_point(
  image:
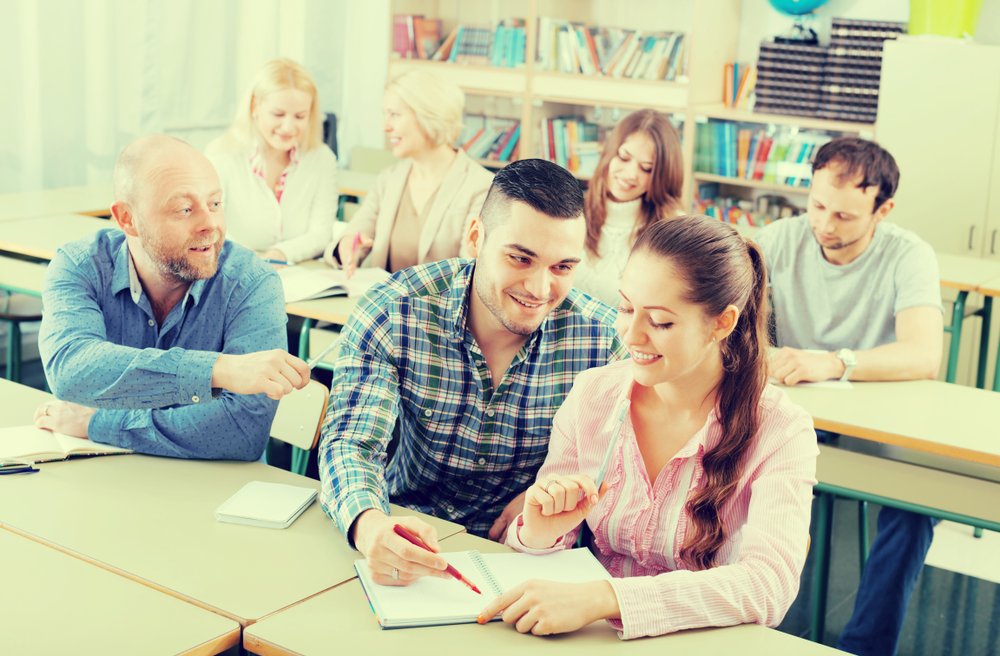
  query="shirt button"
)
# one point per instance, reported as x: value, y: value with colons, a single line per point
x: 151, y: 323
x: 482, y: 461
x: 195, y: 399
x: 470, y: 482
x: 490, y: 413
x: 450, y: 509
x: 427, y: 413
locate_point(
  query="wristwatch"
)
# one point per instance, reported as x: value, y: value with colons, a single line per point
x: 847, y: 356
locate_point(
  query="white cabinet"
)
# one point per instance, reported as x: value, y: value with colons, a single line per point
x: 939, y: 115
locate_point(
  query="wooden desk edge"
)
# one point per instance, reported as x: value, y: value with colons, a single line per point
x: 936, y: 448
x: 216, y: 645
x: 256, y: 645
x: 307, y: 313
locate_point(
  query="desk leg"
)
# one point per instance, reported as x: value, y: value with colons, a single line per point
x: 821, y: 566
x: 957, y: 317
x: 984, y: 347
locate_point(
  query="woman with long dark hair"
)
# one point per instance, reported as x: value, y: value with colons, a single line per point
x: 703, y: 515
x: 638, y: 180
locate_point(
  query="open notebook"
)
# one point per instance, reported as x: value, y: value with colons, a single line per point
x: 433, y: 601
x: 306, y: 283
x: 31, y: 444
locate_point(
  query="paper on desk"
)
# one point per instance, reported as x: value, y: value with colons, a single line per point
x: 828, y: 384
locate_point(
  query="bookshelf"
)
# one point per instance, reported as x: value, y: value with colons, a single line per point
x: 710, y: 29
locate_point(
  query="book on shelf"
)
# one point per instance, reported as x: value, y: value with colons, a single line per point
x: 757, y: 212
x: 572, y: 47
x: 489, y: 138
x: 32, y: 444
x: 573, y: 143
x: 433, y: 601
x: 306, y: 283
x: 415, y: 36
x: 780, y: 156
x: 739, y: 80
x: 427, y: 36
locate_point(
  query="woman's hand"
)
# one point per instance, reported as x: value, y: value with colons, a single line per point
x: 352, y: 250
x: 555, y: 506
x: 547, y: 607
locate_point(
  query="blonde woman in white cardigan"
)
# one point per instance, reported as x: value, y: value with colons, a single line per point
x: 420, y: 208
x: 278, y: 177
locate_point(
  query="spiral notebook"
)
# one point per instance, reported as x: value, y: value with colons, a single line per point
x: 433, y: 601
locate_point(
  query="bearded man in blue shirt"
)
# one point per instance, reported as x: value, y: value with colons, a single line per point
x: 158, y: 335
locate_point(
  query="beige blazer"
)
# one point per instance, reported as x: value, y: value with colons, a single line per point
x: 459, y: 198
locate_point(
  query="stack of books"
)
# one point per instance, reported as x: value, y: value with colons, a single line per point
x: 615, y: 52
x: 853, y: 68
x: 780, y: 156
x: 417, y: 37
x: 490, y: 138
x: 573, y: 143
x: 738, y: 83
x: 710, y: 201
x: 789, y: 78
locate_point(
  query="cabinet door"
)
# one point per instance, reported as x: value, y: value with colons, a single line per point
x: 937, y: 115
x: 991, y: 235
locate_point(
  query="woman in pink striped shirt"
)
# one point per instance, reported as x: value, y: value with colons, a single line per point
x: 703, y: 515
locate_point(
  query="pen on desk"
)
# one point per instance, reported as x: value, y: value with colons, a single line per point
x: 313, y: 362
x: 407, y: 535
x: 273, y: 261
x: 18, y: 468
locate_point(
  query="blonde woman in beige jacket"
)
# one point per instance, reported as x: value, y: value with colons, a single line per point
x: 421, y: 207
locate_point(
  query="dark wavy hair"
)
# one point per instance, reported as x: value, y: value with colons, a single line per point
x: 720, y: 269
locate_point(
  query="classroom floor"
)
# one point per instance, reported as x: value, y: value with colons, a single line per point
x: 950, y: 613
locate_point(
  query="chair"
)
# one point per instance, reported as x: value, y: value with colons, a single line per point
x: 298, y: 420
x: 330, y: 131
x: 16, y: 309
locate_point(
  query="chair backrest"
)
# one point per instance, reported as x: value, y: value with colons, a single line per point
x: 370, y: 160
x: 300, y: 415
x: 330, y: 132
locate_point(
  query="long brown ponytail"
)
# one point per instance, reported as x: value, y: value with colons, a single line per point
x: 720, y: 269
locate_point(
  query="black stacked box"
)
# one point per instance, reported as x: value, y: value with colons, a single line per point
x: 789, y: 78
x: 853, y: 68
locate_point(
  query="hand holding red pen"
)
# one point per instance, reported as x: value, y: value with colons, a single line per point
x: 407, y: 535
x: 392, y: 559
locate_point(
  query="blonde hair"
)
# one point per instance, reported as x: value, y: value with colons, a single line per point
x: 278, y: 75
x: 437, y: 102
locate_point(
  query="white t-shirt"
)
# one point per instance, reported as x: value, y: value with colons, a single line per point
x: 601, y: 276
x: 819, y: 305
x: 302, y: 224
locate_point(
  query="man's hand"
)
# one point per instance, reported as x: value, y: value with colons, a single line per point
x: 498, y: 532
x: 392, y: 559
x: 64, y: 417
x: 791, y: 366
x: 275, y: 373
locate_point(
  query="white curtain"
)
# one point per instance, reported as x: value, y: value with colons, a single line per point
x: 84, y: 77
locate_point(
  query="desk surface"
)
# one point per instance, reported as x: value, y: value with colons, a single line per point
x: 18, y: 403
x: 990, y: 287
x: 90, y: 199
x: 153, y: 519
x: 335, y: 309
x: 41, y: 236
x: 355, y: 183
x: 966, y: 273
x: 925, y: 415
x: 52, y: 603
x: 22, y: 277
x: 343, y: 614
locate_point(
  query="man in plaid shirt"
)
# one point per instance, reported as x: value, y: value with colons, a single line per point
x: 468, y: 360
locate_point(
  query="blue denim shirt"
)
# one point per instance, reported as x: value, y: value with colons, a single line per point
x: 151, y: 384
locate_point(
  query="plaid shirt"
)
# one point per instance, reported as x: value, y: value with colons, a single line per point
x: 464, y: 449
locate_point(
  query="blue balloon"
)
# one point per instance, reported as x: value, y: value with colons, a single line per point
x: 796, y: 7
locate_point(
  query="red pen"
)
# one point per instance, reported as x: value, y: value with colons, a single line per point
x: 407, y: 535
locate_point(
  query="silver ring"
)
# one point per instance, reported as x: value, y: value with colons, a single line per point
x: 395, y: 574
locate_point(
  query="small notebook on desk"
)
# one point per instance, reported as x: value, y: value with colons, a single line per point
x: 306, y: 283
x: 32, y: 444
x: 433, y: 601
x: 268, y: 505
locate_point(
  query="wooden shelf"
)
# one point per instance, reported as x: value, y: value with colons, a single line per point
x: 721, y: 112
x: 609, y: 91
x: 474, y: 79
x: 752, y: 184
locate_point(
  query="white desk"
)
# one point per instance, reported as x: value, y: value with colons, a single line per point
x: 153, y: 520
x: 341, y: 621
x: 41, y: 236
x: 18, y: 403
x: 51, y: 603
x: 94, y: 200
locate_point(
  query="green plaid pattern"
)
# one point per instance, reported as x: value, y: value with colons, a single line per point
x: 464, y: 450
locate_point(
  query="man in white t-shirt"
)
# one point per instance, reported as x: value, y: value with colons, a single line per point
x: 855, y: 298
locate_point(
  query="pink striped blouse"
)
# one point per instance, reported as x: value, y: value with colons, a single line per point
x: 640, y: 525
